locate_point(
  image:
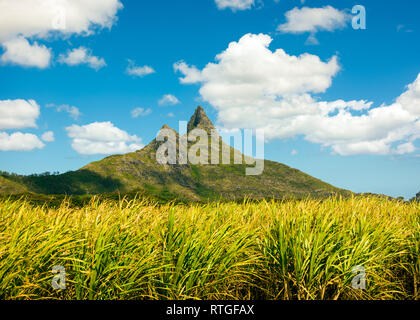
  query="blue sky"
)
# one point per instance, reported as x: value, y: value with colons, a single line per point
x: 373, y: 66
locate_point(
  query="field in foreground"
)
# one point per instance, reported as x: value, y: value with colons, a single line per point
x: 266, y: 250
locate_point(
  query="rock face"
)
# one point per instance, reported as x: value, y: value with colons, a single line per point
x: 140, y: 172
x: 199, y: 120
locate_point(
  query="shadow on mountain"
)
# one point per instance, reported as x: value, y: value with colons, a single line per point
x: 79, y: 182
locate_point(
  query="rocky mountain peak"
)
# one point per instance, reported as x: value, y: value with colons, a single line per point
x: 199, y: 120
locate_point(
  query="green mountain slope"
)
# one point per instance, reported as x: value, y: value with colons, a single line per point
x: 140, y: 171
x: 11, y: 187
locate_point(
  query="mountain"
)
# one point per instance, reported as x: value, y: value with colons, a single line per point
x: 140, y: 171
x: 11, y: 187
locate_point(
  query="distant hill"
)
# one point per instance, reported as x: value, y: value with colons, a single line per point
x: 11, y: 187
x: 140, y: 171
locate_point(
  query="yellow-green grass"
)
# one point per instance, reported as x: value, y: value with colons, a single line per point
x: 254, y: 250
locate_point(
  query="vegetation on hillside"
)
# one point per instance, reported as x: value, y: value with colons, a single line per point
x: 139, y: 249
x: 81, y: 182
x: 10, y: 187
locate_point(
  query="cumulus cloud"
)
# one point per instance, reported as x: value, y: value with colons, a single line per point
x: 19, y: 142
x: 248, y: 68
x: 18, y: 114
x: 80, y: 56
x: 235, y: 4
x: 405, y: 148
x: 254, y: 87
x: 102, y: 138
x: 313, y: 20
x: 168, y: 100
x: 20, y: 51
x: 41, y: 19
x: 48, y: 136
x: 137, y: 112
x: 190, y: 73
x: 137, y: 71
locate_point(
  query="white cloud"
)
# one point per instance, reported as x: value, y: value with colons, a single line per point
x: 248, y: 68
x: 235, y: 4
x: 410, y: 99
x: 18, y: 114
x: 168, y: 100
x: 102, y: 138
x: 191, y: 74
x: 73, y: 112
x: 405, y: 148
x: 48, y: 136
x: 19, y: 142
x: 314, y: 20
x: 20, y: 51
x: 80, y: 56
x: 137, y: 112
x: 137, y: 71
x: 40, y: 19
x: 294, y: 152
x: 254, y: 87
x: 171, y: 115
